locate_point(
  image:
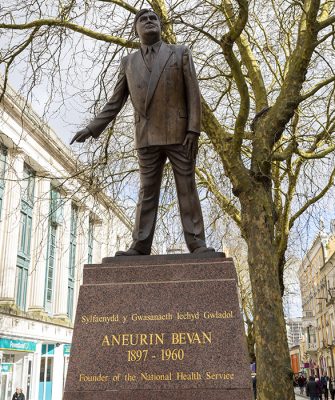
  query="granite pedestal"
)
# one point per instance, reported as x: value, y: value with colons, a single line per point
x: 159, y: 327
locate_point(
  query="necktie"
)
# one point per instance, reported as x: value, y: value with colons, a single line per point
x: 150, y: 56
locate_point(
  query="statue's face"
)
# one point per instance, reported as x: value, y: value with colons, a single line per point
x: 148, y: 26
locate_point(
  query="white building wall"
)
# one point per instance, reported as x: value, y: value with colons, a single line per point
x: 10, y: 225
x: 39, y: 245
x: 57, y: 387
x: 34, y: 143
x: 97, y: 242
x: 35, y: 378
x: 62, y: 263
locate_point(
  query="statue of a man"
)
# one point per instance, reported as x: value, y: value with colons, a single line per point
x: 162, y: 84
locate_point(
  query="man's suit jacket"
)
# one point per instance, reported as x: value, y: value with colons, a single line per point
x: 166, y: 101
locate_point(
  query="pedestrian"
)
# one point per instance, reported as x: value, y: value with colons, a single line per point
x: 301, y: 383
x: 331, y: 387
x: 254, y: 387
x: 320, y: 387
x: 325, y: 385
x: 313, y: 389
x: 18, y: 395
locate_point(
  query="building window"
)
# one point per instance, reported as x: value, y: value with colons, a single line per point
x: 46, y: 372
x: 72, y: 260
x: 3, y: 154
x: 23, y: 256
x: 54, y: 220
x: 90, y: 241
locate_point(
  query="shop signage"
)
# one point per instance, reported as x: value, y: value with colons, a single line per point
x: 295, y: 363
x: 17, y: 345
x: 6, y: 367
x: 66, y: 349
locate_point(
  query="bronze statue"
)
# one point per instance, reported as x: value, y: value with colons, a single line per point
x: 162, y: 84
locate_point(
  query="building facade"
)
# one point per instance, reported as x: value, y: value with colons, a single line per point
x: 317, y: 282
x: 50, y: 226
x: 294, y: 331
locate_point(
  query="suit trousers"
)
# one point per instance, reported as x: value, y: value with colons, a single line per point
x: 151, y: 162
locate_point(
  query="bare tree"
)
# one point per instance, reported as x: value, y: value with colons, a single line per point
x: 267, y: 78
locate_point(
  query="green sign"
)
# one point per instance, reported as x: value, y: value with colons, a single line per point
x: 66, y: 349
x: 6, y: 367
x: 17, y: 345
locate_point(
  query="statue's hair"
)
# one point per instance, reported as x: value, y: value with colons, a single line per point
x: 141, y: 12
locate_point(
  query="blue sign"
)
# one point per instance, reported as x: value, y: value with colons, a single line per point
x: 6, y: 367
x: 17, y: 345
x: 66, y: 349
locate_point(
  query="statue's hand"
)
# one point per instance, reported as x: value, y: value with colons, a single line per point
x: 191, y: 143
x: 81, y: 136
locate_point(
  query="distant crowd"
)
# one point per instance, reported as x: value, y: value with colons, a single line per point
x: 315, y: 388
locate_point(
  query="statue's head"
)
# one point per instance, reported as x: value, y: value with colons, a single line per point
x: 147, y: 26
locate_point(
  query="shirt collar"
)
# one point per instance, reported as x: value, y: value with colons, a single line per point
x: 155, y: 46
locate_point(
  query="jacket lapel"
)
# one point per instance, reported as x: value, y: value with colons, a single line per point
x: 138, y: 78
x: 140, y: 68
x: 159, y: 64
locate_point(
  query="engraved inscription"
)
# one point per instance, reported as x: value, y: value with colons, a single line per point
x: 157, y: 347
x: 93, y: 378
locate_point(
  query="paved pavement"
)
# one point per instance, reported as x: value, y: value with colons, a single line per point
x: 298, y: 396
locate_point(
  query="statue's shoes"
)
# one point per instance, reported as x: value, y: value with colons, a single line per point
x: 129, y: 252
x: 203, y: 249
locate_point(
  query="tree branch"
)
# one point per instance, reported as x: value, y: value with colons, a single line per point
x: 74, y: 27
x: 316, y: 88
x: 159, y: 7
x: 289, y: 96
x: 20, y: 49
x: 324, y: 24
x: 314, y: 199
x: 314, y: 156
x: 286, y: 153
x: 227, y: 42
x: 252, y: 65
x: 200, y: 30
x: 122, y: 4
x: 225, y: 204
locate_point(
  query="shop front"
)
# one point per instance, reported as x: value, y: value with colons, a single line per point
x: 16, y: 366
x: 54, y: 358
x: 38, y: 368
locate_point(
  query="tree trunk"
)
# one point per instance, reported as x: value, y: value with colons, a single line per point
x: 272, y: 353
x: 251, y: 341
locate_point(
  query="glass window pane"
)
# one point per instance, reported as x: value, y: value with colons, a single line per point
x: 49, y: 369
x: 42, y: 369
x: 50, y: 264
x: 72, y: 258
x: 27, y: 185
x: 3, y: 153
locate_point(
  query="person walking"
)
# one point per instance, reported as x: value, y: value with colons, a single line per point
x: 18, y: 395
x: 320, y: 388
x: 254, y: 385
x: 301, y: 383
x: 325, y: 385
x: 331, y: 387
x: 313, y: 389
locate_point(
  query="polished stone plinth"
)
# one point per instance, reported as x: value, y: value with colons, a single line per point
x: 159, y: 327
